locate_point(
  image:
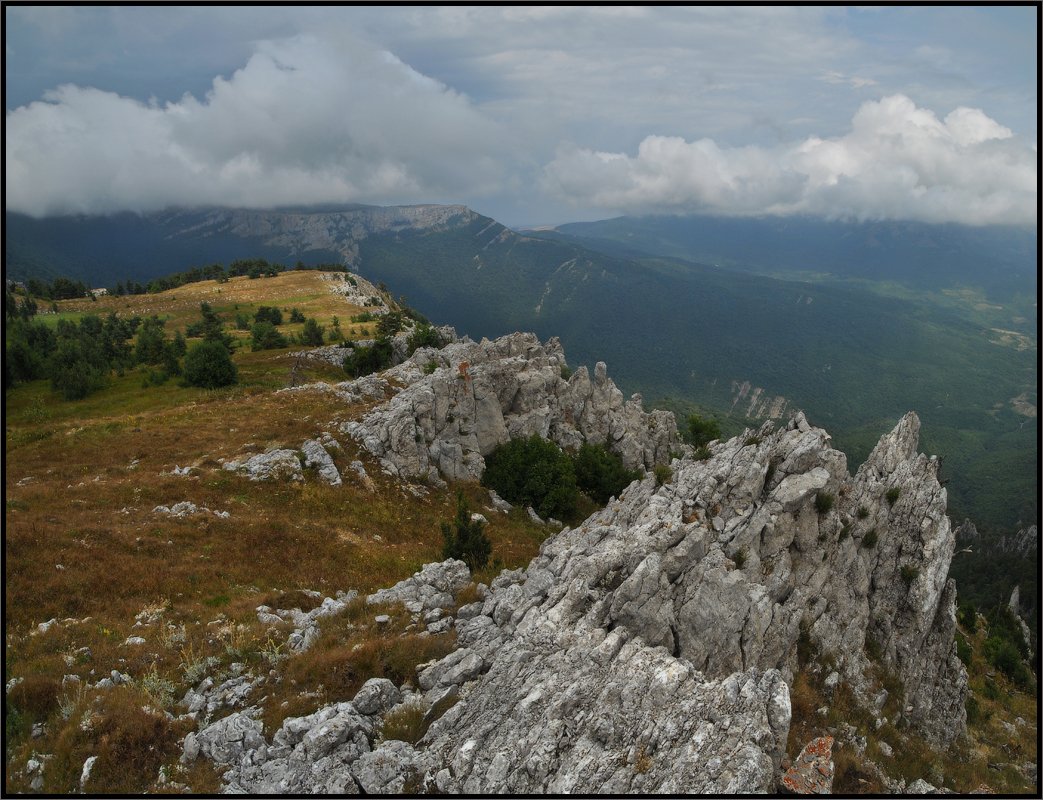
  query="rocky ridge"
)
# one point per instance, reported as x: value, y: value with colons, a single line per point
x: 460, y: 401
x: 339, y: 231
x: 650, y: 648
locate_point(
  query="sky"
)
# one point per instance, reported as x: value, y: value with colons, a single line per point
x: 531, y: 115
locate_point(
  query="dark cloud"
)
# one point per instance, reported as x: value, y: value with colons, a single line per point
x: 305, y: 120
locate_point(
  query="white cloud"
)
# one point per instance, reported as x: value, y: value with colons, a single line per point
x: 306, y: 120
x: 897, y: 161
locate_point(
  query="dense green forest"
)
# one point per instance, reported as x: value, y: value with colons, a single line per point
x: 855, y: 361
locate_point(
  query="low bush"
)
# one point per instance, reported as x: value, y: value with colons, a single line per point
x: 823, y: 502
x: 701, y: 430
x: 892, y: 494
x: 465, y: 538
x: 312, y: 333
x: 533, y: 472
x: 662, y: 473
x: 862, y: 512
x: 424, y: 336
x: 367, y: 360
x: 870, y: 539
x: 967, y: 616
x: 268, y: 314
x: 264, y: 337
x: 963, y: 650
x: 209, y: 365
x: 600, y: 473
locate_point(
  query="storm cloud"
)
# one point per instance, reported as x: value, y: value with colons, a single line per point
x: 897, y: 161
x: 532, y: 115
x: 304, y: 121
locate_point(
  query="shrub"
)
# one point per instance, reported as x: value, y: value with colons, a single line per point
x: 35, y: 697
x: 967, y: 616
x: 391, y: 323
x: 963, y: 650
x: 909, y: 574
x: 752, y: 440
x: 975, y: 714
x: 870, y: 539
x: 366, y: 360
x: 702, y: 453
x: 264, y: 337
x: 465, y: 538
x: 701, y: 430
x: 565, y: 372
x: 862, y: 512
x: 297, y: 316
x: 601, y: 474
x: 268, y: 314
x: 1005, y: 657
x: 209, y: 365
x: 242, y: 322
x: 312, y: 334
x: 424, y: 336
x: 404, y: 724
x: 823, y: 502
x: 534, y: 472
x: 844, y: 532
x: 740, y: 559
x: 892, y: 494
x: 662, y: 473
x: 430, y: 367
x: 73, y: 372
x: 130, y: 742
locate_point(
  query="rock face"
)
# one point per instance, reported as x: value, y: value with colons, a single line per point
x: 649, y: 649
x: 463, y: 400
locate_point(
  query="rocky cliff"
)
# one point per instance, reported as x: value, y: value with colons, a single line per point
x: 461, y: 401
x: 651, y: 648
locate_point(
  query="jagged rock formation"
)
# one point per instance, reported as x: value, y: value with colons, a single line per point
x: 1020, y: 543
x: 649, y: 649
x: 461, y: 401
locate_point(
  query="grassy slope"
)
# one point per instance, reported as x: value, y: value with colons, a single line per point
x: 80, y: 484
x: 83, y: 545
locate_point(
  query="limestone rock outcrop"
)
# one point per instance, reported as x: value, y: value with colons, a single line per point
x: 462, y: 400
x: 650, y: 649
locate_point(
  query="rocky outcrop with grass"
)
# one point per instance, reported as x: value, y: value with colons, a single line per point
x: 651, y: 648
x: 462, y: 400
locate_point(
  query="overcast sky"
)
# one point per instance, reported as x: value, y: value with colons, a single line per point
x: 530, y: 115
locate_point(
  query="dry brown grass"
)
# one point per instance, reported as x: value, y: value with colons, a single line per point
x: 962, y: 768
x: 301, y: 289
x: 82, y: 545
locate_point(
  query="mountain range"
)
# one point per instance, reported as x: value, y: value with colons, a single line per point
x: 855, y: 323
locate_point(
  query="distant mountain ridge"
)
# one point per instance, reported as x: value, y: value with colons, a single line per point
x: 102, y: 250
x: 725, y: 339
x: 1002, y: 260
